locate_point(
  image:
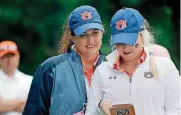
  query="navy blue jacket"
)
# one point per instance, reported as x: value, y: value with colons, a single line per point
x: 58, y: 86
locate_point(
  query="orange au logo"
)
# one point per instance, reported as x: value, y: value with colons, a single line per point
x: 86, y: 15
x: 121, y: 24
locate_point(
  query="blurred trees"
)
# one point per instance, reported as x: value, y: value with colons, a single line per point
x: 36, y: 25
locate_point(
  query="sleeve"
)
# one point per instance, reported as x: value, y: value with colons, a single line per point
x: 172, y: 88
x: 95, y: 95
x: 38, y: 101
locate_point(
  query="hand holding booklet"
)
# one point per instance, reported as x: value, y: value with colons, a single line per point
x: 122, y: 109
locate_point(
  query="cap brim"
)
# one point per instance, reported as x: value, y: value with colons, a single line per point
x: 6, y: 52
x: 124, y: 38
x: 81, y: 29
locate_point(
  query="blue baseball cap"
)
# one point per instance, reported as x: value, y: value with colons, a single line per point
x: 125, y: 26
x: 84, y: 18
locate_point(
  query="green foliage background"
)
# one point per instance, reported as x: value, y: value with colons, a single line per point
x: 36, y: 25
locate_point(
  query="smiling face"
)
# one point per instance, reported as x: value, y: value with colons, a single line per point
x: 89, y: 43
x: 128, y: 52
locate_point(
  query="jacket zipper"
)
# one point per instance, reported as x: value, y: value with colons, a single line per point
x: 130, y: 86
x: 130, y: 83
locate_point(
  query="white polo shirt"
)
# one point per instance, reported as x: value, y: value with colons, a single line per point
x: 15, y: 87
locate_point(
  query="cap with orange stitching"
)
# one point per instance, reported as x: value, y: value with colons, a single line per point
x: 8, y: 47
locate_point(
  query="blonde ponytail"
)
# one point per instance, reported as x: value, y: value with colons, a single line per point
x: 153, y: 67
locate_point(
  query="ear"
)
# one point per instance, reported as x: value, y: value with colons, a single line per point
x: 19, y: 56
x: 73, y: 39
x: 141, y: 38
